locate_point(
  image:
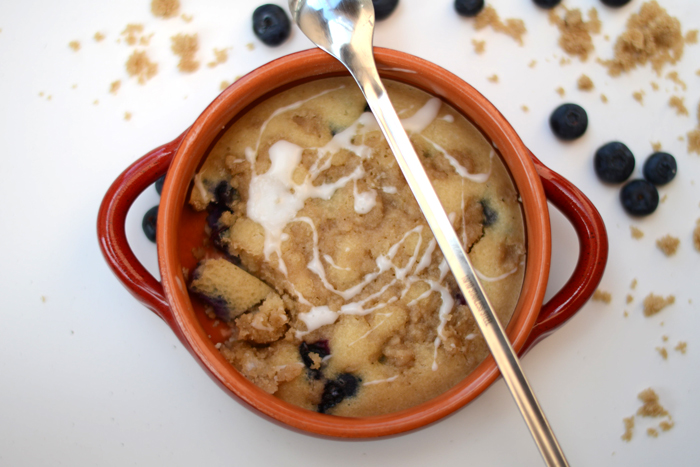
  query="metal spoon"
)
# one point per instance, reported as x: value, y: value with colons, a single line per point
x: 345, y: 29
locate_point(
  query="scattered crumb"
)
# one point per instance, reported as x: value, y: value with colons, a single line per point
x: 75, y: 86
x: 114, y: 87
x: 694, y: 141
x: 532, y: 64
x: 75, y: 45
x: 651, y: 36
x: 525, y: 108
x: 140, y: 66
x: 127, y: 116
x: 625, y: 314
x: 629, y: 427
x: 691, y: 37
x: 663, y: 352
x: 681, y: 347
x: 656, y: 146
x: 493, y: 78
x: 630, y: 298
x: 564, y: 61
x: 250, y: 46
x: 668, y: 245
x: 132, y: 32
x: 479, y: 46
x: 602, y: 296
x: 653, y: 432
x: 696, y: 235
x: 43, y: 300
x: 224, y: 85
x: 99, y: 37
x: 220, y: 56
x: 636, y: 234
x: 560, y: 91
x: 664, y: 338
x: 574, y: 32
x: 186, y: 18
x: 165, y: 8
x: 186, y: 46
x: 41, y: 93
x: 677, y: 103
x: 633, y: 285
x: 651, y: 407
x: 514, y: 28
x: 666, y: 425
x: 95, y: 102
x: 584, y: 83
x: 673, y: 76
x: 654, y: 85
x: 604, y: 98
x: 655, y: 303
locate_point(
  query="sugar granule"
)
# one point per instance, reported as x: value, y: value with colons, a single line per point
x: 165, y: 8
x: 668, y: 245
x: 185, y: 46
x: 140, y: 66
x: 585, y: 83
x: 677, y: 103
x: 575, y: 33
x: 602, y: 296
x: 75, y: 45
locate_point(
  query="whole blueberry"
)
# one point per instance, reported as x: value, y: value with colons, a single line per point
x: 569, y: 121
x: 384, y: 8
x: 335, y: 391
x: 613, y: 162
x: 547, y: 3
x: 149, y: 223
x: 490, y: 216
x: 469, y: 8
x: 660, y: 168
x: 639, y: 197
x: 271, y: 24
x: 615, y: 3
x: 159, y: 184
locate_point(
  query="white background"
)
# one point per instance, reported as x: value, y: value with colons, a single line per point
x: 88, y: 376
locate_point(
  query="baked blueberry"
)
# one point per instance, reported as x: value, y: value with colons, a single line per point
x: 320, y: 348
x: 547, y: 3
x: 490, y: 215
x: 569, y: 121
x: 615, y: 3
x: 613, y: 162
x: 159, y: 184
x: 337, y: 390
x: 149, y: 223
x: 224, y: 193
x: 660, y: 168
x: 469, y: 8
x: 639, y: 197
x: 271, y: 24
x: 384, y: 8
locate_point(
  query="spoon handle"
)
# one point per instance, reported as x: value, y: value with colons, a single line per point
x: 364, y: 70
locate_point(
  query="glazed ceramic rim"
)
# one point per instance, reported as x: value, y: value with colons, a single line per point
x: 312, y: 64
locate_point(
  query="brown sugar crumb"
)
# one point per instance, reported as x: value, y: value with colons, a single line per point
x: 651, y: 407
x: 636, y: 233
x: 682, y: 347
x: 75, y: 45
x: 673, y: 76
x: 187, y: 18
x: 575, y: 33
x: 585, y: 83
x: 629, y: 428
x: 604, y: 98
x: 691, y: 37
x: 127, y: 116
x: 694, y: 141
x: 668, y: 245
x: 114, y: 87
x: 655, y: 303
x: 493, y: 78
x: 224, y: 85
x: 639, y: 96
x: 532, y: 64
x: 99, y: 37
x: 267, y: 324
x: 514, y: 28
x: 677, y: 103
x: 696, y: 235
x: 653, y: 432
x: 564, y: 61
x: 220, y: 56
x: 525, y: 108
x: 666, y: 425
x: 633, y: 285
x: 140, y: 66
x: 165, y: 8
x: 663, y: 352
x: 602, y: 296
x: 96, y: 102
x: 651, y: 36
x: 560, y: 91
x: 479, y: 46
x: 250, y: 46
x: 629, y: 298
x: 656, y: 146
x: 654, y: 85
x: 132, y: 33
x: 185, y: 46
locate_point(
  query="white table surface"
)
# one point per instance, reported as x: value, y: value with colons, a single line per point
x: 88, y: 376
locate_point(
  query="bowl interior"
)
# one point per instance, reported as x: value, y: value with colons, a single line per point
x: 183, y: 229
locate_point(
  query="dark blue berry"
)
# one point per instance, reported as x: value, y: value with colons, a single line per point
x: 149, y: 223
x: 569, y: 121
x: 547, y: 3
x: 613, y: 162
x: 615, y: 3
x: 224, y: 193
x: 159, y: 184
x: 490, y: 215
x: 321, y: 348
x: 337, y: 390
x: 639, y: 197
x: 271, y: 24
x: 660, y: 168
x: 384, y: 8
x: 469, y: 8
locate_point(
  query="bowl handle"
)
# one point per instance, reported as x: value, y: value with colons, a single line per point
x: 111, y: 232
x: 593, y: 254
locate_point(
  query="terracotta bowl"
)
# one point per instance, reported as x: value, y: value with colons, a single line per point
x: 178, y: 229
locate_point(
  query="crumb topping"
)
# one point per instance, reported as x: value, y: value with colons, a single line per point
x: 668, y: 245
x: 585, y: 83
x: 636, y: 233
x: 575, y: 33
x: 140, y: 66
x: 653, y: 304
x: 602, y: 296
x: 165, y: 8
x: 185, y: 46
x: 514, y: 28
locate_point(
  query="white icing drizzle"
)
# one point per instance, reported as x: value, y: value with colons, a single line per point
x: 459, y: 168
x: 365, y: 201
x: 330, y: 261
x: 389, y: 189
x: 380, y: 381
x: 497, y: 278
x: 387, y: 316
x: 448, y: 118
